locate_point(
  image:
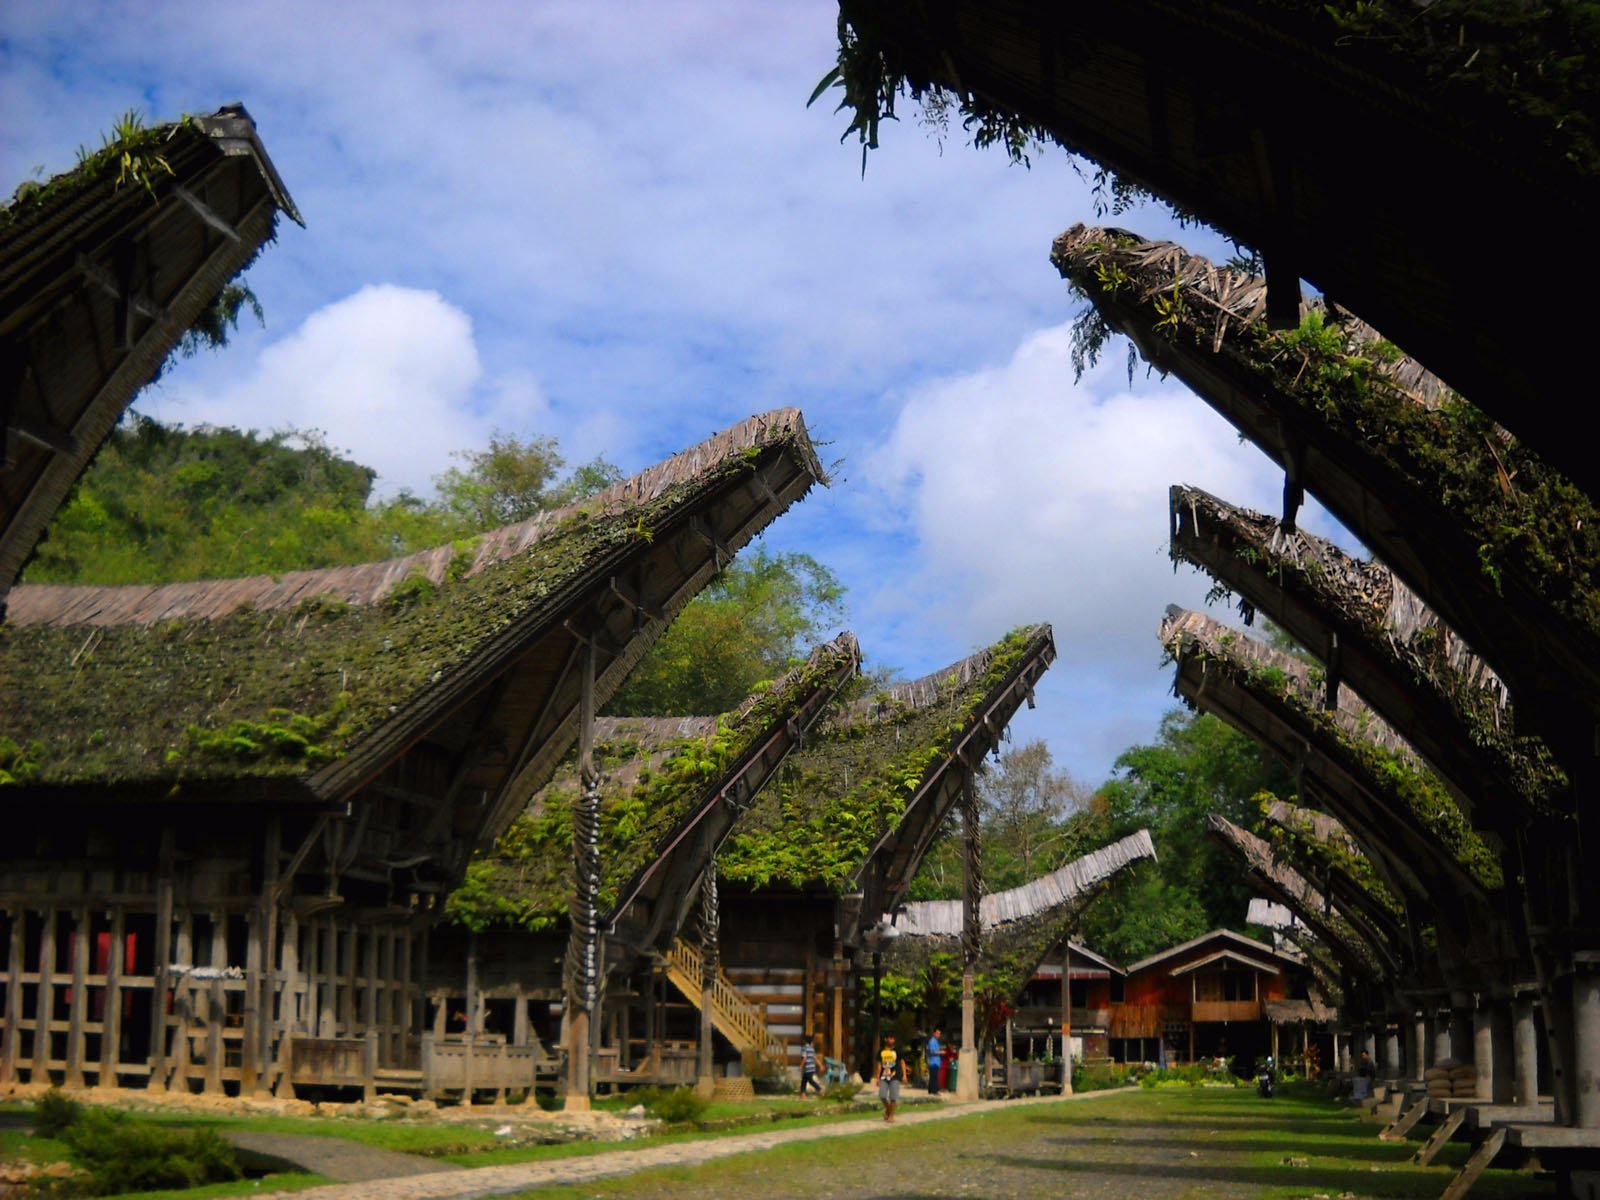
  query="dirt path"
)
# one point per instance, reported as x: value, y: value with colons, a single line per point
x: 337, y: 1158
x: 469, y: 1184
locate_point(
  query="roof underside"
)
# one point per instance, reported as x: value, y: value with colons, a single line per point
x: 1204, y: 103
x: 1402, y: 659
x: 861, y: 804
x: 98, y: 282
x: 319, y: 678
x: 1484, y: 532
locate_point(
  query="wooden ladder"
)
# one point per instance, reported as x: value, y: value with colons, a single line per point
x: 733, y: 1016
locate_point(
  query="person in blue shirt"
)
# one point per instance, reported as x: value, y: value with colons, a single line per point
x: 935, y: 1062
x: 808, y: 1069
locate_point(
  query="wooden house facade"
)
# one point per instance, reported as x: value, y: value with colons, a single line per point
x: 1204, y: 998
x: 235, y: 806
x: 1080, y: 1014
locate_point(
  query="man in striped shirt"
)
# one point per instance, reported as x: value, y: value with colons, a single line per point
x: 808, y: 1068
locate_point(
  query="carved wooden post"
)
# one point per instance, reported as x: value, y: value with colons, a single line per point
x: 161, y: 954
x: 971, y: 893
x: 583, y: 967
x: 710, y: 919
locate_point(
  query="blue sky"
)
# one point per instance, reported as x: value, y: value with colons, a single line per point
x: 620, y: 225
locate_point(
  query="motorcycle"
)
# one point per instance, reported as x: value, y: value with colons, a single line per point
x: 1266, y: 1083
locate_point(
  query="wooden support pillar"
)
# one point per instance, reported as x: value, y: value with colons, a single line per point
x: 971, y: 894
x: 1525, y: 1050
x: 216, y: 1004
x: 78, y: 998
x: 582, y: 972
x: 1066, y: 1017
x: 161, y: 956
x: 1443, y: 1045
x: 111, y: 1016
x: 1586, y: 1043
x: 390, y: 994
x: 44, y: 1004
x: 1393, y: 1068
x: 473, y: 1002
x: 371, y: 1019
x: 1340, y: 1058
x: 1502, y: 1068
x: 1419, y: 1047
x: 710, y: 964
x: 249, y: 1045
x: 264, y: 985
x: 14, y: 960
x: 349, y: 988
x: 328, y: 985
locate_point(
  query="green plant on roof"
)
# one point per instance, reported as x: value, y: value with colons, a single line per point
x: 288, y: 736
x: 19, y: 763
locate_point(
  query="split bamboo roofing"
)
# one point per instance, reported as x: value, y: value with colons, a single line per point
x: 1206, y: 103
x: 1504, y: 549
x: 671, y: 790
x: 310, y: 682
x: 861, y: 804
x: 98, y: 282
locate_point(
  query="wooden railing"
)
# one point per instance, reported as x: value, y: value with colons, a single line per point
x: 735, y: 1017
x: 1226, y: 1010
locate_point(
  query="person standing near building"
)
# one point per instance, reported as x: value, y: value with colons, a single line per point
x: 935, y: 1062
x: 891, y: 1072
x: 808, y: 1068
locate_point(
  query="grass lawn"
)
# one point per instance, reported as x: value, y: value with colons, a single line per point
x: 1181, y: 1143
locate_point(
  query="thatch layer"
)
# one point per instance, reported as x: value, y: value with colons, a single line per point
x: 1325, y: 847
x: 1455, y: 706
x: 1366, y: 748
x: 657, y: 772
x: 281, y: 676
x: 1502, y: 546
x: 835, y: 800
x: 103, y: 271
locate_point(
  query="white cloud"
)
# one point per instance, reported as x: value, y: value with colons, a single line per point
x: 390, y: 373
x: 1034, y: 499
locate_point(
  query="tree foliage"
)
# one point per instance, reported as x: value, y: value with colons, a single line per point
x: 755, y: 621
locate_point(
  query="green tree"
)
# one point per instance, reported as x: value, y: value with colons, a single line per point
x: 1197, y: 765
x: 512, y: 480
x: 752, y: 623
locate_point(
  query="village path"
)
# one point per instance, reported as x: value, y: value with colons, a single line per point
x: 471, y: 1183
x: 337, y: 1158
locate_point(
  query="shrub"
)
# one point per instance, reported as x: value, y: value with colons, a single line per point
x: 1095, y: 1077
x: 841, y: 1093
x: 55, y: 1113
x: 122, y: 1155
x: 676, y: 1106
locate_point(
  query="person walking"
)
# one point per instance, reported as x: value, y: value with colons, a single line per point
x: 808, y: 1068
x: 891, y: 1073
x: 935, y: 1062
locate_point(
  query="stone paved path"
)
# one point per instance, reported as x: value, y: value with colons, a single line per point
x: 337, y: 1158
x: 475, y: 1182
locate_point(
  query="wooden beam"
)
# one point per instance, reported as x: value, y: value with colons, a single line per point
x: 111, y: 1016
x: 44, y: 999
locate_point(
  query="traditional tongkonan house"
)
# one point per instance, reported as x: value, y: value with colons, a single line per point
x: 235, y: 807
x: 1203, y: 999
x: 670, y: 791
x: 834, y: 841
x: 103, y: 270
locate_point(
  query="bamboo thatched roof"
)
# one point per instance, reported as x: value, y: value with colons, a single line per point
x: 1363, y: 958
x: 1502, y: 547
x: 100, y: 277
x: 309, y: 682
x: 1320, y: 846
x: 1384, y: 641
x: 1360, y: 767
x: 1019, y: 926
x: 1062, y: 887
x: 859, y: 806
x: 1204, y: 103
x: 672, y: 789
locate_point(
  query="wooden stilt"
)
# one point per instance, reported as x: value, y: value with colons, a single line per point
x: 161, y: 956
x: 349, y: 971
x: 971, y: 892
x: 389, y: 995
x: 250, y: 1046
x: 78, y: 998
x: 14, y: 960
x: 111, y: 1017
x: 267, y: 984
x: 216, y: 1005
x: 45, y: 999
x: 328, y: 985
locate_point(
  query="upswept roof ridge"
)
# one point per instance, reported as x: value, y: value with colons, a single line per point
x: 876, y: 780
x: 370, y: 583
x: 1500, y: 544
x: 1355, y: 744
x: 103, y: 270
x: 234, y: 678
x: 935, y: 918
x: 660, y: 778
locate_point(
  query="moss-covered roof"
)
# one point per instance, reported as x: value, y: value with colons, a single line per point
x: 1360, y: 743
x: 1320, y: 844
x: 658, y: 773
x: 1501, y: 545
x: 103, y: 270
x: 1020, y: 925
x: 283, y: 676
x: 1487, y: 102
x: 1397, y: 652
x: 834, y: 801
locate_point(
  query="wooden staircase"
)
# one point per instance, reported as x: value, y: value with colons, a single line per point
x: 731, y: 1014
